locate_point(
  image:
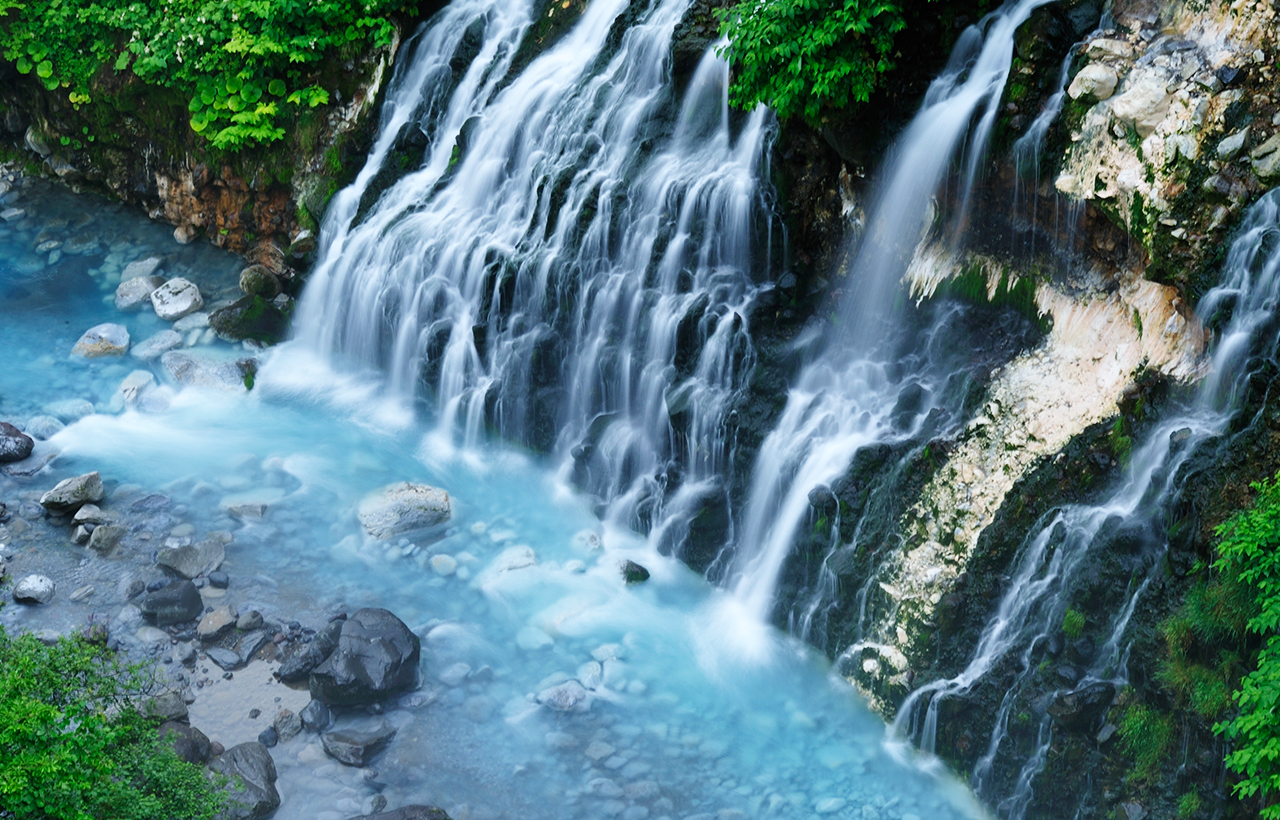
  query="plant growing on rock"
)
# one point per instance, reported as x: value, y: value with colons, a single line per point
x: 75, y: 746
x: 1250, y: 551
x: 239, y: 63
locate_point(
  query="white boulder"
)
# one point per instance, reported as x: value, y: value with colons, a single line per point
x: 176, y: 298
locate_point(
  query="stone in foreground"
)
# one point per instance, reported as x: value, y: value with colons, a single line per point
x: 194, y: 559
x: 176, y: 298
x: 14, y: 444
x: 135, y: 294
x: 176, y: 603
x: 377, y: 656
x: 71, y: 494
x: 403, y: 507
x: 189, y: 743
x: 356, y: 748
x: 251, y: 788
x: 34, y: 589
x: 157, y: 345
x: 102, y: 340
x: 250, y: 318
x: 204, y: 371
x: 407, y: 813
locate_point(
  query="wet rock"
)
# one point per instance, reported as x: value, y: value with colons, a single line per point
x: 251, y: 792
x: 14, y: 444
x: 249, y: 644
x: 174, y: 603
x: 1266, y: 158
x: 176, y: 298
x: 226, y: 659
x: 44, y: 428
x: 70, y: 494
x: 93, y: 514
x: 133, y: 388
x: 192, y: 321
x: 1094, y: 80
x: 1080, y: 710
x: 219, y: 580
x: 141, y: 269
x: 356, y: 748
x: 105, y: 538
x: 569, y: 696
x: 315, y: 716
x: 216, y: 624
x: 166, y: 706
x: 252, y: 317
x: 189, y: 743
x: 634, y: 573
x: 34, y: 589
x: 69, y: 410
x: 102, y: 340
x: 202, y: 371
x: 81, y: 534
x: 377, y: 655
x: 308, y: 656
x: 407, y: 813
x: 135, y: 294
x: 256, y: 280
x: 403, y: 508
x: 269, y: 737
x: 194, y: 559
x: 1231, y: 147
x: 250, y: 621
x: 157, y: 345
x: 287, y: 725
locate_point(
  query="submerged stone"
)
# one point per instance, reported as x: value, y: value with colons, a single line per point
x: 403, y: 508
x: 14, y: 444
x: 252, y: 317
x: 356, y: 748
x: 102, y: 340
x: 70, y: 494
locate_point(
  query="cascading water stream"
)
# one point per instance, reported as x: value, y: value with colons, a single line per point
x: 845, y: 399
x: 571, y: 264
x: 1039, y: 592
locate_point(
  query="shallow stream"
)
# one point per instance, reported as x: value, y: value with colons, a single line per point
x: 694, y: 708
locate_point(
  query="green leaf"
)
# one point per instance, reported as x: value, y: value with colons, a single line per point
x: 44, y: 69
x: 234, y: 84
x: 277, y: 87
x: 122, y: 62
x: 24, y: 65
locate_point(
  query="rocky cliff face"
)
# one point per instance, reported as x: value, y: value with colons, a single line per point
x: 134, y: 143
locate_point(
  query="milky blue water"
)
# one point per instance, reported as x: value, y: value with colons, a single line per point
x: 693, y: 709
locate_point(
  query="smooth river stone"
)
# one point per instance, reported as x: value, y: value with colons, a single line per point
x: 135, y: 294
x: 102, y: 340
x: 176, y: 298
x: 157, y: 345
x: 403, y: 507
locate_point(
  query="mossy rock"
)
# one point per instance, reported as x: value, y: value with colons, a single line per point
x: 250, y: 318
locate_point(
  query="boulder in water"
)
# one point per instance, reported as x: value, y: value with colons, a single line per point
x: 142, y: 269
x: 176, y: 298
x: 102, y: 340
x: 201, y: 371
x: 252, y: 317
x: 194, y: 559
x: 71, y: 494
x: 356, y: 748
x: 188, y: 742
x: 135, y: 294
x: 256, y: 280
x: 42, y: 428
x: 14, y: 444
x: 298, y: 667
x: 157, y: 345
x: 1081, y: 709
x: 175, y: 603
x: 377, y: 655
x: 316, y: 717
x: 407, y: 813
x: 633, y: 572
x: 251, y: 789
x: 403, y: 507
x: 34, y: 589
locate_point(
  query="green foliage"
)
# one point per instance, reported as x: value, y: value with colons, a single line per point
x: 1145, y: 735
x: 1073, y: 623
x: 238, y: 62
x: 75, y: 747
x: 1190, y: 804
x: 1249, y: 552
x: 803, y: 56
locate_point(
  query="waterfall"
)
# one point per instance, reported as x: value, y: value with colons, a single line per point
x: 1045, y: 569
x: 570, y: 264
x: 847, y: 398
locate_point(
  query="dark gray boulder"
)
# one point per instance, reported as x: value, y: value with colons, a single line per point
x: 251, y: 788
x: 354, y: 747
x: 377, y: 655
x: 250, y: 318
x: 407, y: 813
x: 633, y: 573
x: 189, y: 743
x: 1081, y: 709
x: 227, y: 659
x: 15, y: 445
x: 316, y: 717
x: 308, y: 656
x: 175, y: 603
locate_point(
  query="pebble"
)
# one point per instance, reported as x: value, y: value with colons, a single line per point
x: 445, y: 565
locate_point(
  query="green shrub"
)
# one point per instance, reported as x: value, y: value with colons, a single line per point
x: 1073, y: 623
x: 238, y: 61
x: 75, y: 747
x: 1189, y: 804
x: 1145, y: 735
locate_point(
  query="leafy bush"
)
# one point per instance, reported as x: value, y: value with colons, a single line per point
x: 801, y: 56
x: 237, y: 62
x: 74, y: 746
x: 1250, y: 551
x: 1073, y: 623
x: 1145, y: 735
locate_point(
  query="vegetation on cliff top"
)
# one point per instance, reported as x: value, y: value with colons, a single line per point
x: 808, y: 57
x: 239, y: 62
x: 75, y: 746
